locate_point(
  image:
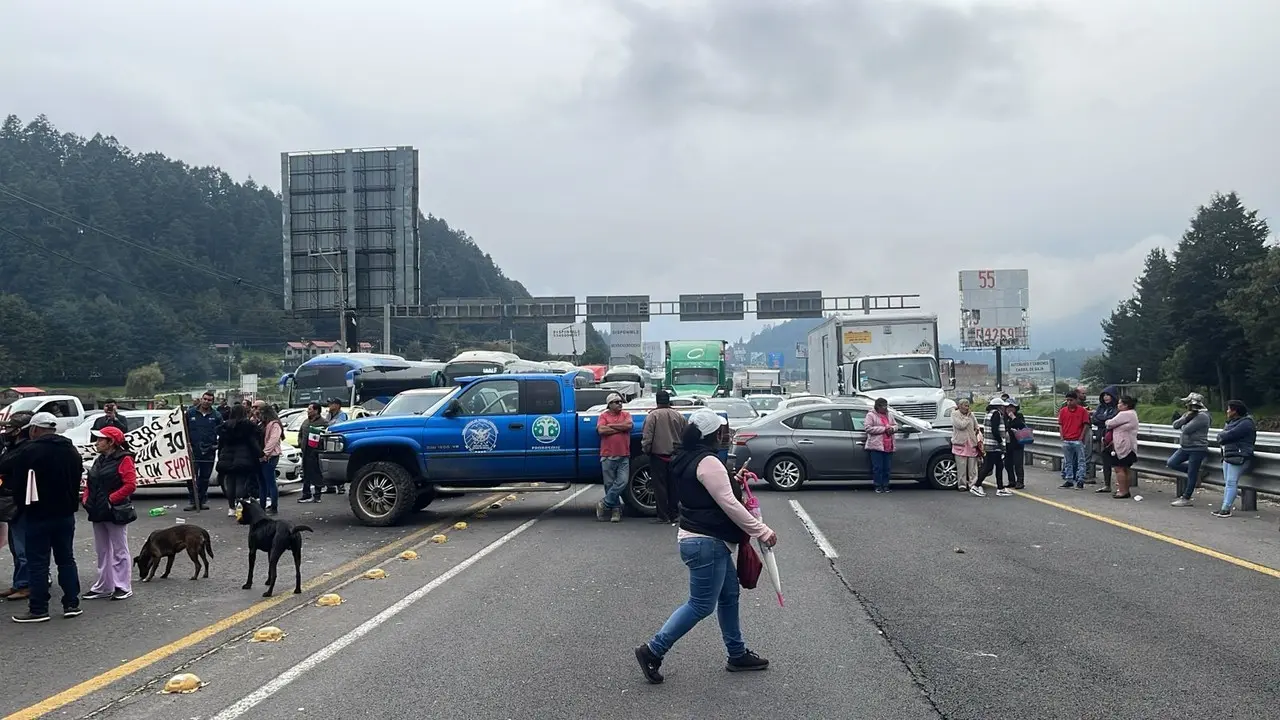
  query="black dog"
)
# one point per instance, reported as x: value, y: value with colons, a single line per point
x: 272, y: 537
x: 166, y: 543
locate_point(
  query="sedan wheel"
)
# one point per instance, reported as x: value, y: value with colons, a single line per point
x: 942, y: 472
x: 785, y: 473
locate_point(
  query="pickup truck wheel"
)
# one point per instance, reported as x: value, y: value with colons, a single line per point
x: 382, y: 493
x: 639, y: 493
x: 941, y: 474
x: 785, y: 472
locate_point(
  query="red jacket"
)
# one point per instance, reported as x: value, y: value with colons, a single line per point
x: 1072, y: 422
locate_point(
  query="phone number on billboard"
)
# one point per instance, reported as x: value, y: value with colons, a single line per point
x: 991, y: 337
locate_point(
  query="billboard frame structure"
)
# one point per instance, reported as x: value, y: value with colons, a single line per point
x: 349, y: 232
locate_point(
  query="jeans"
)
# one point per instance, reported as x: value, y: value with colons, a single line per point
x: 713, y: 585
x: 617, y: 471
x: 200, y: 491
x: 268, y: 490
x: 1231, y: 479
x: 18, y: 549
x: 663, y: 491
x: 881, y: 466
x: 1073, y: 461
x: 56, y: 536
x: 1189, y: 462
x: 115, y: 567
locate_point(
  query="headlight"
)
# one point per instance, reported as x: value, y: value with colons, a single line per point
x: 333, y: 443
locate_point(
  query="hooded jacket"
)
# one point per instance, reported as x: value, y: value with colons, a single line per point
x: 239, y: 447
x: 1104, y: 412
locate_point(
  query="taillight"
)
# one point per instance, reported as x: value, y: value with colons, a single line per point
x: 742, y: 437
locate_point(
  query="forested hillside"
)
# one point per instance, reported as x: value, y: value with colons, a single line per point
x: 111, y: 259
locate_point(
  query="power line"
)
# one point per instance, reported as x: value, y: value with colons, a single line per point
x: 44, y: 248
x: 172, y: 257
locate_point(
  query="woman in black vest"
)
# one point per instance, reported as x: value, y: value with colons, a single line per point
x: 712, y: 523
x: 109, y: 484
x: 239, y: 457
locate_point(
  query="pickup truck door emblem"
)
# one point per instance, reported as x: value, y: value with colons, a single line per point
x: 546, y: 429
x: 480, y: 435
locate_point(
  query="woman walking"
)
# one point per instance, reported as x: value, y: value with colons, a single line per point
x: 1124, y: 445
x: 239, y: 457
x: 880, y: 430
x: 1236, y: 440
x: 273, y: 433
x: 1014, y: 452
x: 109, y: 486
x: 964, y: 444
x: 993, y: 442
x: 713, y: 521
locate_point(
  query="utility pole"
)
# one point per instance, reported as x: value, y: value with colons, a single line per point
x: 386, y: 330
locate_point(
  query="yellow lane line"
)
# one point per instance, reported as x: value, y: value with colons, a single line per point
x: 1240, y: 562
x: 99, y: 682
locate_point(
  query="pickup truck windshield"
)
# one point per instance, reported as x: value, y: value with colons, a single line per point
x: 694, y: 376
x: 415, y: 403
x: 921, y: 372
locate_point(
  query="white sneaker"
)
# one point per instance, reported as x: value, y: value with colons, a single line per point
x: 231, y: 512
x: 977, y: 491
x: 1003, y: 493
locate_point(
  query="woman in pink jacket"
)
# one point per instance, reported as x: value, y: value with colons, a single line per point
x: 1124, y: 438
x: 880, y: 429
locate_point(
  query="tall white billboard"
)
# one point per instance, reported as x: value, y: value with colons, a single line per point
x: 993, y: 309
x: 625, y: 341
x: 566, y: 339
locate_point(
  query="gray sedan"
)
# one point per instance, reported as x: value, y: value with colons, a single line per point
x: 827, y: 442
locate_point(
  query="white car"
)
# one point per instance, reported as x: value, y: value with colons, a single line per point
x: 799, y: 400
x: 288, y: 471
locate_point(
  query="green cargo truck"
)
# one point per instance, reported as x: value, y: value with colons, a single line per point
x: 696, y: 367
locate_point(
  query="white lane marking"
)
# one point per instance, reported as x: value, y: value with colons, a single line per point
x: 255, y: 698
x: 823, y: 544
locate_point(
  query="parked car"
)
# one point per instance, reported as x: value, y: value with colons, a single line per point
x: 740, y: 412
x: 825, y: 441
x: 288, y: 471
x: 796, y: 401
x: 764, y: 404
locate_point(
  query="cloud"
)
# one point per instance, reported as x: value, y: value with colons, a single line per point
x: 804, y: 57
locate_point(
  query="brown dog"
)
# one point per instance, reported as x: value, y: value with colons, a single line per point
x: 169, y: 542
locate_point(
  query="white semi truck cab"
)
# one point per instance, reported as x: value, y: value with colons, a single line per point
x: 882, y: 356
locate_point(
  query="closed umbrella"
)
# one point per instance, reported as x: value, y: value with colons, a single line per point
x: 767, y: 558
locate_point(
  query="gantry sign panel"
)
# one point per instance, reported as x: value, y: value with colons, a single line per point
x: 350, y: 229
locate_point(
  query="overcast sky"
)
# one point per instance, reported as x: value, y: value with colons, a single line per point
x: 675, y: 146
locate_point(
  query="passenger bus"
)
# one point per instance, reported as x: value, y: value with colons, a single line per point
x: 472, y: 363
x: 368, y: 379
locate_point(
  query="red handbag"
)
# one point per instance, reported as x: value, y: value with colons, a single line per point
x: 749, y: 564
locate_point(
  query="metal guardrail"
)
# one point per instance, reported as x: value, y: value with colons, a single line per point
x: 1157, y: 442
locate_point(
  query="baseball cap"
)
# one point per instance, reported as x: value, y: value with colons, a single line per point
x: 997, y: 401
x: 707, y: 421
x: 110, y: 433
x: 44, y: 420
x: 613, y: 398
x: 1195, y: 399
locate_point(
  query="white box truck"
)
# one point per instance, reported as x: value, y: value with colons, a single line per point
x: 761, y: 381
x: 890, y: 356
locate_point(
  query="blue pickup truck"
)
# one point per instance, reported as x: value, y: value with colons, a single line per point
x: 486, y: 435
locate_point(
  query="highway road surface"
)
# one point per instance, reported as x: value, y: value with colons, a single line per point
x: 916, y: 604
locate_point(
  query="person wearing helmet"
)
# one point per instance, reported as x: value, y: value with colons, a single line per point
x: 713, y: 521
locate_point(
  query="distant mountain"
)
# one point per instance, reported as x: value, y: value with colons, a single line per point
x: 784, y: 337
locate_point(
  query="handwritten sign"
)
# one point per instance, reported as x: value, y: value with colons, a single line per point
x: 159, y: 450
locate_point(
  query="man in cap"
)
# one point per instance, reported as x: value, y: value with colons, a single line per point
x: 614, y: 427
x: 49, y: 468
x: 659, y: 439
x: 13, y: 433
x: 336, y: 415
x: 1193, y: 445
x: 110, y: 418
